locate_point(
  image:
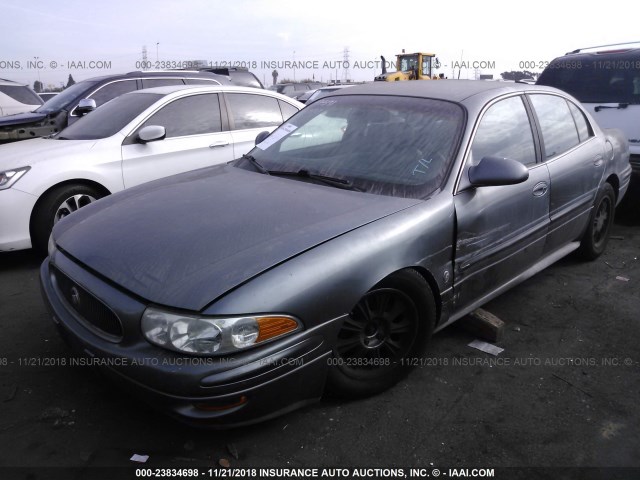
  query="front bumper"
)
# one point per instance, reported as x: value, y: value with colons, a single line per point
x: 15, y: 213
x: 213, y: 392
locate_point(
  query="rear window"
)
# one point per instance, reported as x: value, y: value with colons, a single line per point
x: 596, y: 78
x: 21, y: 94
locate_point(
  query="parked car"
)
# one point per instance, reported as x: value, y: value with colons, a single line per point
x: 305, y: 96
x: 65, y: 108
x: 236, y: 75
x: 17, y: 98
x: 606, y: 80
x: 327, y: 257
x: 294, y: 90
x: 132, y: 139
x: 324, y: 91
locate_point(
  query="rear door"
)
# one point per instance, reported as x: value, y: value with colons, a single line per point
x: 196, y: 138
x: 575, y: 159
x: 250, y: 114
x: 501, y: 230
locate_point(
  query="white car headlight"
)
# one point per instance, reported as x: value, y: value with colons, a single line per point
x: 9, y: 177
x: 213, y: 336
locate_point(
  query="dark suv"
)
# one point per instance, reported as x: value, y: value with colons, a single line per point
x: 65, y: 108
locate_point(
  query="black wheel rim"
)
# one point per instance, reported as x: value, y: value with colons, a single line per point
x: 382, y: 326
x: 601, y: 222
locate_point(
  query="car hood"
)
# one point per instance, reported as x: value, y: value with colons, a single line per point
x: 31, y: 152
x: 22, y: 118
x: 185, y: 240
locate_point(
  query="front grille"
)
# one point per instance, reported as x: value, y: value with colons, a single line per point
x: 94, y: 313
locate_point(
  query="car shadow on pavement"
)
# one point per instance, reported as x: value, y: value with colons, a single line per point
x: 21, y: 260
x: 628, y: 211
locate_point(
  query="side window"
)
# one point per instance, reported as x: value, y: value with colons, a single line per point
x: 558, y: 128
x: 113, y: 90
x: 194, y: 115
x: 505, y: 131
x: 584, y: 130
x: 287, y: 110
x: 160, y: 82
x: 253, y: 111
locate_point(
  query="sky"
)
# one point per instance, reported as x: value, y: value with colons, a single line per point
x: 47, y: 41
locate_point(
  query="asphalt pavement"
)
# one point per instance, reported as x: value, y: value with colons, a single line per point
x: 563, y: 393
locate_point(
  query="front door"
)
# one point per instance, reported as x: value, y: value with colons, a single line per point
x: 501, y: 230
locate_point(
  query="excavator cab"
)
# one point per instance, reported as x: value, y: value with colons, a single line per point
x: 411, y: 66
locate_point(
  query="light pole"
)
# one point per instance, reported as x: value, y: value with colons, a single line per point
x: 157, y: 43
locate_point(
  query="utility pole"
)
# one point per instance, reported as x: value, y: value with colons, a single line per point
x: 345, y: 64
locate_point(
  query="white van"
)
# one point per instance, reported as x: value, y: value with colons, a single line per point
x: 17, y: 98
x: 606, y: 79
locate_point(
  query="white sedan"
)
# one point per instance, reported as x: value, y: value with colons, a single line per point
x: 135, y: 138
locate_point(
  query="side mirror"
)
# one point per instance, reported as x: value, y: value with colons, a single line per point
x: 494, y: 171
x: 261, y: 136
x: 85, y: 106
x: 151, y: 133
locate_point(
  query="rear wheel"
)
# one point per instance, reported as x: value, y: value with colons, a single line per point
x: 595, y: 239
x: 54, y: 206
x: 390, y: 324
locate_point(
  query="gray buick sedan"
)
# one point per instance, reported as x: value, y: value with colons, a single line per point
x: 325, y: 259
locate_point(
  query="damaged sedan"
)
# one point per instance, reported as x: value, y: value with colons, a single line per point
x: 325, y: 259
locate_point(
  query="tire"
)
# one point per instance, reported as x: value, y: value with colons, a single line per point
x: 55, y: 205
x: 391, y: 324
x: 595, y: 238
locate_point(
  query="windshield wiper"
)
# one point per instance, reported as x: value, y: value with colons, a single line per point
x: 332, y: 181
x: 620, y: 105
x: 256, y: 164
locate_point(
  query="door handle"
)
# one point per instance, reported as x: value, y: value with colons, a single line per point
x: 219, y: 144
x: 540, y: 189
x: 598, y: 161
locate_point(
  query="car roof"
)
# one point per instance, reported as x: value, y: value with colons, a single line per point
x: 158, y: 74
x: 452, y: 90
x: 171, y: 89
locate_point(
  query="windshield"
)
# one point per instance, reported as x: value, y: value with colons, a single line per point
x: 110, y: 118
x: 397, y: 146
x: 408, y: 62
x: 72, y: 94
x: 596, y: 80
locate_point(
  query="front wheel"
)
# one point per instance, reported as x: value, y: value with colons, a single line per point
x: 54, y: 206
x: 595, y: 238
x: 390, y: 324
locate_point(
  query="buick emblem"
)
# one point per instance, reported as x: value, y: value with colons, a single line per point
x: 75, y: 296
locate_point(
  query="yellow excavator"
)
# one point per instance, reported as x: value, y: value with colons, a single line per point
x: 411, y: 66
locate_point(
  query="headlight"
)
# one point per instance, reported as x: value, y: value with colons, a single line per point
x: 9, y: 177
x: 213, y: 336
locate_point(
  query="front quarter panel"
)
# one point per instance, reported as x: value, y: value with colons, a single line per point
x: 328, y: 280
